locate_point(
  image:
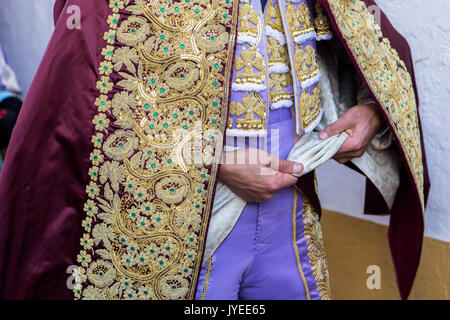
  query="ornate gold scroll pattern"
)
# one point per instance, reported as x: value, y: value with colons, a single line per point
x: 387, y: 77
x: 162, y: 92
x: 316, y: 250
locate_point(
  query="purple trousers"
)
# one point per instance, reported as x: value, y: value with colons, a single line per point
x: 266, y: 255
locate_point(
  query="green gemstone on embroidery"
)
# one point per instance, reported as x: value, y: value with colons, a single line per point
x: 167, y: 248
x: 151, y: 126
x: 191, y: 239
x: 100, y: 122
x: 116, y: 4
x: 165, y: 125
x: 88, y: 225
x: 102, y: 103
x: 185, y: 127
x: 133, y: 31
x: 115, y: 21
x: 181, y: 75
x: 122, y: 240
x: 133, y: 214
x: 146, y: 106
x: 199, y: 191
x: 141, y: 259
x: 169, y: 161
x: 174, y: 287
x: 83, y: 258
x: 161, y: 262
x: 89, y: 209
x: 145, y: 292
x: 130, y: 186
x: 149, y: 152
x: 197, y: 11
x: 155, y: 114
x: 153, y: 165
x: 152, y: 251
x: 214, y: 104
x: 175, y: 116
x: 172, y: 190
x: 216, y: 65
x: 197, y: 206
x: 214, y: 121
x: 166, y: 49
x: 92, y: 190
x: 213, y: 38
x: 225, y: 16
x: 104, y: 84
x: 85, y: 241
x: 191, y: 112
x: 121, y: 145
x: 109, y: 53
x: 94, y: 174
x: 182, y: 46
x: 140, y: 195
x: 161, y: 37
x: 162, y: 89
x: 111, y: 37
x: 105, y: 68
x: 95, y: 157
x: 203, y: 176
x: 158, y: 219
x: 142, y: 223
x: 190, y: 256
x: 163, y: 9
x: 177, y: 9
x: 101, y: 274
x: 152, y: 81
x: 214, y: 83
x: 126, y: 282
x: 133, y: 248
x: 147, y: 208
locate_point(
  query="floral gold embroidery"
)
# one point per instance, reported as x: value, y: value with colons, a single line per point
x: 250, y: 106
x: 316, y: 250
x: 299, y: 22
x: 163, y: 82
x: 387, y: 77
x: 321, y: 23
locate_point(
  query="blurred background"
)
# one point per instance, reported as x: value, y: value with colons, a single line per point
x: 353, y: 241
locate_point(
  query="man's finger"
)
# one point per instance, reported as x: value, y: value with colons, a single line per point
x: 335, y: 128
x: 286, y: 180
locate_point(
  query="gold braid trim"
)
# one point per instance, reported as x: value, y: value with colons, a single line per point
x: 387, y: 77
x: 162, y: 97
x: 316, y: 249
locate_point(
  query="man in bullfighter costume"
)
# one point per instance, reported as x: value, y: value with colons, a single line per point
x: 166, y: 149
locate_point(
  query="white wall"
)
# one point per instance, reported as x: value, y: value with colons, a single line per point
x: 25, y: 27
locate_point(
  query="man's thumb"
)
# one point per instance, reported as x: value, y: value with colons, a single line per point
x: 333, y: 129
x: 289, y: 167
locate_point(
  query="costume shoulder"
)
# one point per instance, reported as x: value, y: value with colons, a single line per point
x: 383, y: 59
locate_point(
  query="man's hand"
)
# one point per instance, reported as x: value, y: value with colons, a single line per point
x: 255, y: 175
x: 361, y: 122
